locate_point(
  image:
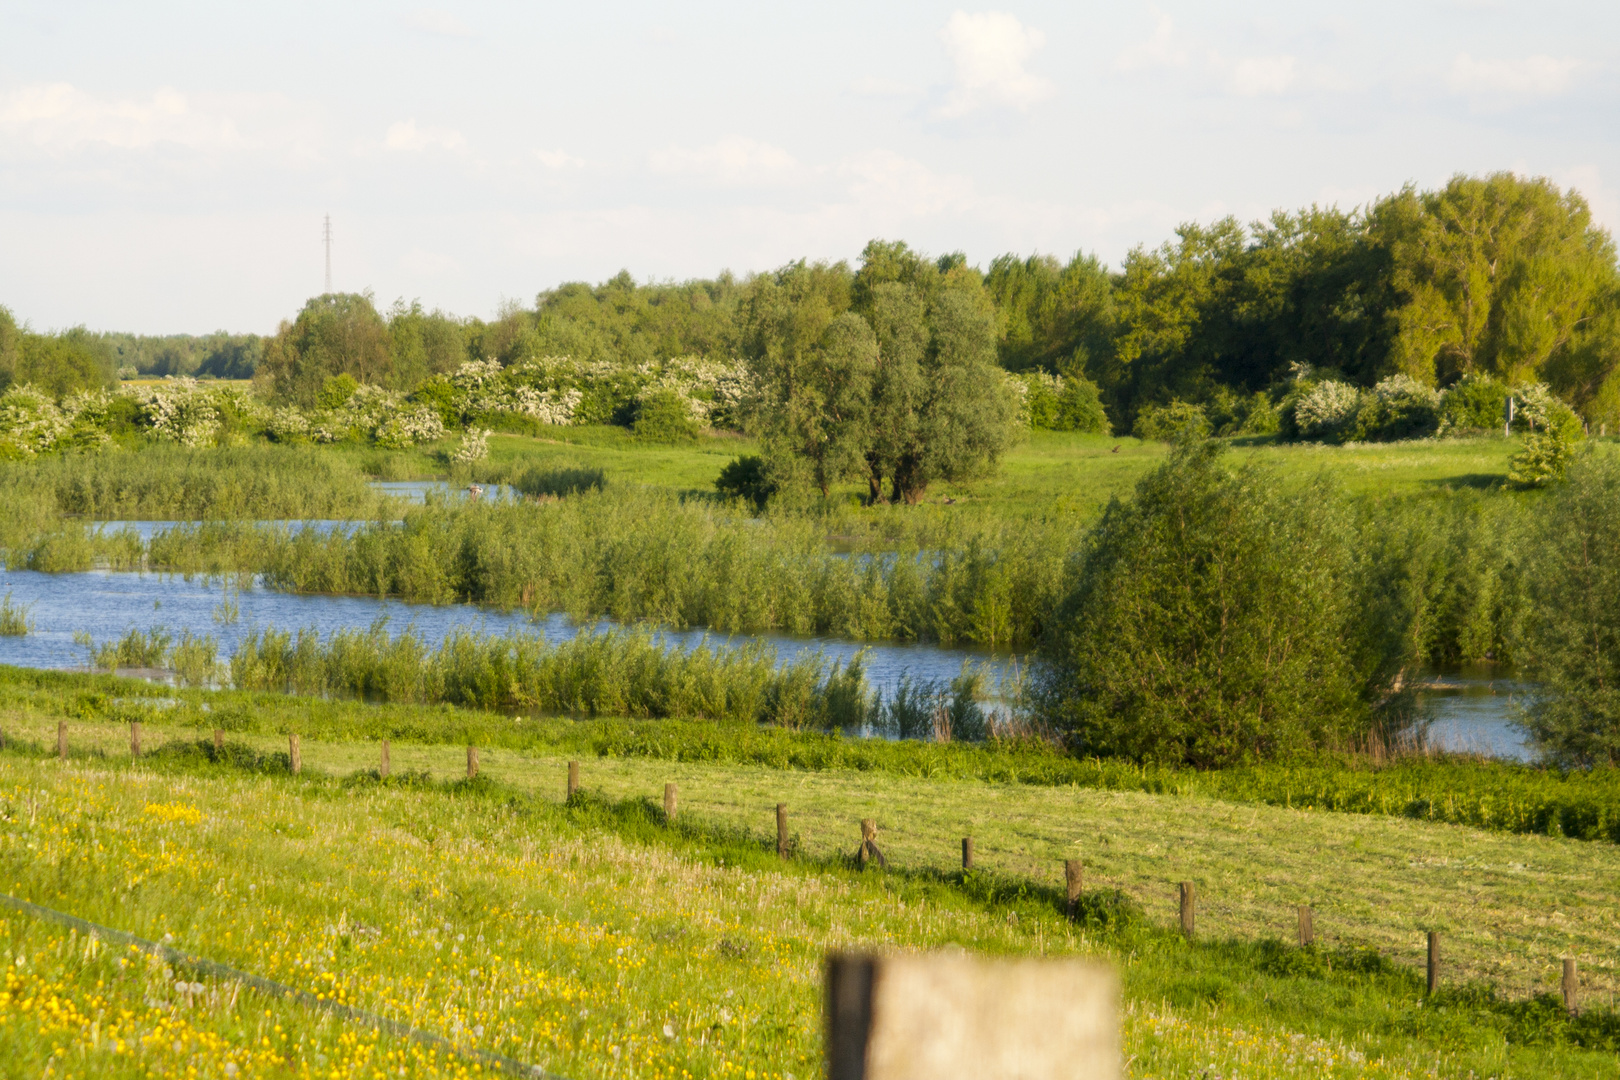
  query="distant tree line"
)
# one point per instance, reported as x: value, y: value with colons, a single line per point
x: 1497, y: 279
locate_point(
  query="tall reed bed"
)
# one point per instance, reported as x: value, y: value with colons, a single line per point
x: 631, y: 674
x: 641, y: 554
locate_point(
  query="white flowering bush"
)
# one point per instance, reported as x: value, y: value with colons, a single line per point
x: 30, y: 422
x: 179, y: 410
x: 1327, y: 410
x: 474, y: 446
x: 409, y: 427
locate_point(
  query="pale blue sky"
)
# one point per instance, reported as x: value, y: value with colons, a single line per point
x: 164, y: 167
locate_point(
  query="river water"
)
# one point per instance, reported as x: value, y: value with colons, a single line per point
x: 1472, y: 711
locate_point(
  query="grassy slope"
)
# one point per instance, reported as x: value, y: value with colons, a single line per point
x: 592, y: 940
x: 1510, y: 906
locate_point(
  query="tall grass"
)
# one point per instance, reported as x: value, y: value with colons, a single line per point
x: 193, y: 660
x: 613, y: 674
x: 15, y: 620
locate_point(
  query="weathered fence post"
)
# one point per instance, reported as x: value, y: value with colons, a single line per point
x: 781, y: 830
x: 1434, y: 961
x: 472, y: 761
x: 295, y: 757
x: 967, y: 853
x: 219, y: 744
x: 869, y: 849
x: 61, y: 739
x: 1307, y: 932
x: 1073, y: 878
x: 573, y: 779
x: 955, y: 1015
x: 384, y: 766
x: 134, y: 738
x: 669, y: 801
x: 1570, y: 986
x: 1189, y: 901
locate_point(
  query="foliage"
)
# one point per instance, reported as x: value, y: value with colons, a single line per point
x: 334, y: 334
x: 746, y: 477
x: 1213, y: 619
x: 1545, y: 458
x: 1327, y: 411
x: 663, y: 416
x: 558, y: 481
x: 1474, y: 403
x: 1573, y: 633
x: 1060, y: 403
x: 1174, y: 421
x: 474, y: 447
x: 15, y: 620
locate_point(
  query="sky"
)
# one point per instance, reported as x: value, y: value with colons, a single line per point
x: 167, y: 167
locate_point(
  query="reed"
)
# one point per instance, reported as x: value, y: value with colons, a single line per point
x: 15, y: 620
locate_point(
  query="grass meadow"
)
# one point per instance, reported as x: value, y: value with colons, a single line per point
x: 597, y: 939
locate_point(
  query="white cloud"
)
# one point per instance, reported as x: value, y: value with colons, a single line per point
x: 1160, y: 50
x: 59, y: 116
x: 559, y: 159
x: 1605, y: 202
x: 442, y: 23
x: 732, y: 161
x: 989, y: 50
x: 1533, y: 76
x: 868, y: 86
x: 405, y: 135
x: 1256, y: 75
x: 885, y: 179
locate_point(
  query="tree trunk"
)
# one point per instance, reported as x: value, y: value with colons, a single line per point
x: 874, y: 481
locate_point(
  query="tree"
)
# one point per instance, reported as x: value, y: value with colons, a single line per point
x: 1572, y: 632
x: 59, y: 364
x: 945, y: 411
x: 1058, y: 318
x: 1498, y: 275
x: 1212, y: 619
x: 817, y: 412
x: 335, y: 334
x: 10, y: 339
x: 422, y: 344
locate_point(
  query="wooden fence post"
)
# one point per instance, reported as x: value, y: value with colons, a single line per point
x: 869, y: 849
x: 669, y: 800
x: 1570, y: 986
x: 1434, y: 961
x: 573, y: 779
x: 1307, y: 932
x: 472, y: 761
x: 134, y: 738
x: 219, y: 744
x: 295, y: 757
x: 781, y: 830
x: 967, y: 853
x: 1189, y: 900
x: 1073, y: 878
x: 384, y: 766
x: 61, y: 739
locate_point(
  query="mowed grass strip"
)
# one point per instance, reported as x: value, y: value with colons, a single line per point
x: 574, y: 939
x: 1510, y: 907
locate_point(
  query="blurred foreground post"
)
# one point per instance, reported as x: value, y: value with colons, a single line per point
x: 61, y: 739
x: 134, y: 738
x: 1570, y: 986
x: 219, y: 744
x: 1307, y: 932
x: 383, y: 765
x: 967, y: 853
x: 781, y: 830
x: 1189, y: 906
x: 958, y: 1017
x: 669, y: 801
x: 295, y: 757
x: 472, y: 761
x: 1434, y: 960
x: 573, y: 779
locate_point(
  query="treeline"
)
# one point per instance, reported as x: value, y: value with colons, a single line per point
x: 1496, y: 277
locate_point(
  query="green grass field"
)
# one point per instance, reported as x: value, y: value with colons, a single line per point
x: 1046, y: 471
x: 597, y: 940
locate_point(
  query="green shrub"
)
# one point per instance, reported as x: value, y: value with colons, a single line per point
x: 1079, y: 408
x: 336, y: 391
x: 746, y: 477
x: 664, y: 416
x: 1213, y: 619
x: 558, y: 480
x: 1177, y: 420
x: 1474, y: 403
x: 1573, y: 633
